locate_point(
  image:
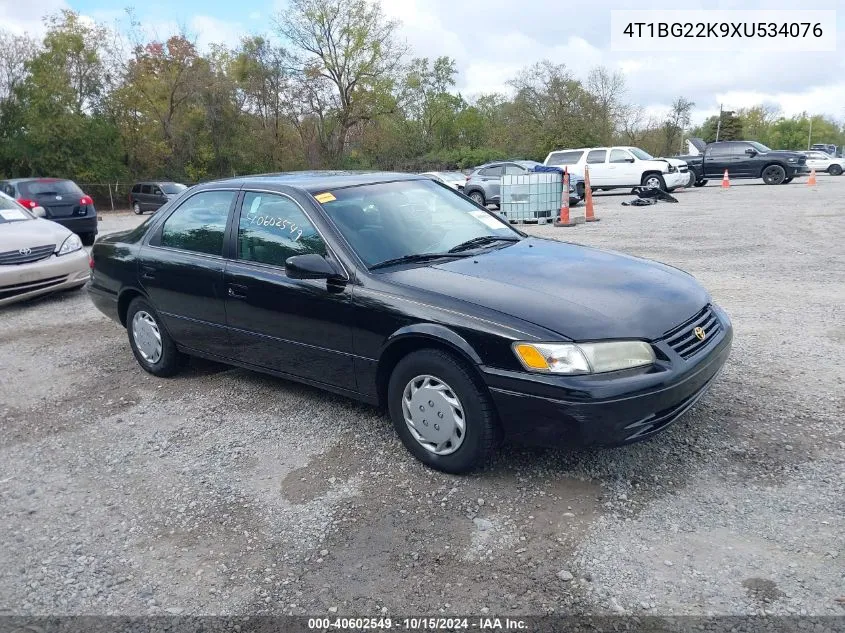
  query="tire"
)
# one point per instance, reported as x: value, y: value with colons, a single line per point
x: 478, y: 198
x: 835, y: 170
x: 87, y: 238
x: 699, y: 183
x: 773, y: 175
x: 169, y: 360
x: 137, y: 208
x: 443, y: 374
x: 786, y: 181
x: 654, y: 181
x: 691, y: 179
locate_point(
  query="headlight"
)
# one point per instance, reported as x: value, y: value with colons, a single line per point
x: 71, y: 244
x: 791, y: 160
x: 583, y: 358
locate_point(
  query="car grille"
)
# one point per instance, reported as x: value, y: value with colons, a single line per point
x: 13, y: 290
x: 683, y: 339
x: 684, y: 169
x: 36, y: 253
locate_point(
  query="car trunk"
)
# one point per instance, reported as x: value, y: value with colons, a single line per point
x: 59, y: 198
x: 58, y: 206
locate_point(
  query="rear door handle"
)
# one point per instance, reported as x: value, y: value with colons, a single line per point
x: 148, y: 272
x: 237, y: 291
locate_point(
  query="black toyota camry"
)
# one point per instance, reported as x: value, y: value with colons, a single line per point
x: 399, y: 291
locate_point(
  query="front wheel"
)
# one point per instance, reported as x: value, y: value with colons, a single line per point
x: 774, y: 175
x: 137, y: 209
x: 786, y: 181
x: 477, y: 197
x: 152, y: 346
x: 699, y: 183
x: 691, y: 179
x: 442, y: 412
x: 654, y: 181
x: 835, y: 170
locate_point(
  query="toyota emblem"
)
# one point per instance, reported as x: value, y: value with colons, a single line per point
x: 25, y: 250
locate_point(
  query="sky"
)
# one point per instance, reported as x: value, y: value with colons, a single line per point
x: 493, y: 40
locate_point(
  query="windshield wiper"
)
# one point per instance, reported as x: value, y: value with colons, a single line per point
x: 410, y: 259
x: 481, y: 241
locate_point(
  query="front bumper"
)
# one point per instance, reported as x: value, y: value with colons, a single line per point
x: 79, y: 224
x: 676, y: 179
x: 606, y: 409
x: 25, y: 281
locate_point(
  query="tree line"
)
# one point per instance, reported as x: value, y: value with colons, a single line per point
x: 105, y: 104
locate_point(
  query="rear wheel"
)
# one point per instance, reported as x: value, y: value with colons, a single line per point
x: 835, y: 170
x: 152, y: 346
x: 654, y: 181
x: 88, y: 238
x: 691, y: 179
x: 774, y: 175
x: 442, y: 412
x: 477, y: 197
x: 137, y: 208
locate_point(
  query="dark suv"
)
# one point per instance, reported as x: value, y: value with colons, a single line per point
x: 56, y: 199
x: 149, y: 196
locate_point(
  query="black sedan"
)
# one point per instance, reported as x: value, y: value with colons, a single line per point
x: 400, y: 292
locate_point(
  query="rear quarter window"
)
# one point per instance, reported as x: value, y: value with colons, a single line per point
x: 564, y: 158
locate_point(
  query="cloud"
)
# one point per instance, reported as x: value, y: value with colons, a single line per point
x: 27, y: 17
x: 210, y: 30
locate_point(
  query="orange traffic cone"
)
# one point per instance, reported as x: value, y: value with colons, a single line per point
x: 811, y: 181
x: 588, y: 193
x: 564, y: 219
x: 726, y: 182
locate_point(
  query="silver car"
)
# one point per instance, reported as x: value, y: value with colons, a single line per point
x: 37, y: 256
x: 453, y: 179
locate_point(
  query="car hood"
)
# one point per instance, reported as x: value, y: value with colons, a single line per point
x: 579, y: 292
x: 29, y: 233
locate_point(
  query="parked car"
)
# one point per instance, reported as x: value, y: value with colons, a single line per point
x: 397, y: 291
x: 827, y: 148
x: 822, y: 161
x: 37, y: 256
x: 484, y: 183
x: 150, y: 196
x: 746, y: 159
x: 454, y: 179
x: 612, y: 167
x: 56, y: 199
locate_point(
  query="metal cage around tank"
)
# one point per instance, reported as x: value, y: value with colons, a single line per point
x: 530, y: 198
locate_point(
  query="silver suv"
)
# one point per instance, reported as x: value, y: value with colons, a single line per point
x: 484, y: 184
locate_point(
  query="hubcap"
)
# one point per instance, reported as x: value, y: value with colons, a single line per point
x: 477, y: 198
x: 434, y: 415
x: 147, y: 336
x: 654, y: 183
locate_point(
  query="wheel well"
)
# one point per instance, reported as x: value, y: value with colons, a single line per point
x: 649, y: 173
x: 123, y: 303
x: 473, y: 190
x: 401, y: 348
x: 775, y: 164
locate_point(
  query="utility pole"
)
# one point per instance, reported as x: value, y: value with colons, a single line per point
x: 810, y: 135
x: 719, y: 124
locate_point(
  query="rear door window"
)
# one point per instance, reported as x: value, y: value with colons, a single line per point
x: 596, y: 156
x: 199, y: 224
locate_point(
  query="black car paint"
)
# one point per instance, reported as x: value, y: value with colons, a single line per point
x: 64, y: 209
x: 742, y: 165
x: 345, y: 334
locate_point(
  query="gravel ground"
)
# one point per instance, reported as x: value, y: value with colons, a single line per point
x: 224, y: 491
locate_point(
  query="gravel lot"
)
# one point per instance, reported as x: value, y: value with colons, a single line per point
x: 224, y: 491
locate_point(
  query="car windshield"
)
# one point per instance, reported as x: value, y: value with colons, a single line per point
x: 172, y: 187
x: 11, y: 211
x: 404, y: 219
x: 641, y: 154
x: 32, y: 188
x: 759, y: 147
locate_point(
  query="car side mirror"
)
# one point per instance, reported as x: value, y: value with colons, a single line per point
x: 751, y: 151
x: 310, y: 266
x: 629, y: 160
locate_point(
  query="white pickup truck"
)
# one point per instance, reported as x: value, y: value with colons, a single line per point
x: 612, y: 167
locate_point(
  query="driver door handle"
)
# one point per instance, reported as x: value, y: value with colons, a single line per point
x: 237, y: 291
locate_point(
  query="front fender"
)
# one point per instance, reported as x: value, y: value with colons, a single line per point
x: 436, y: 332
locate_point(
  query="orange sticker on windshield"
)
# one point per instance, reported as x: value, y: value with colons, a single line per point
x: 324, y: 197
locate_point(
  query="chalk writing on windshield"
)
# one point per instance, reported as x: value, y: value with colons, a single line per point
x: 281, y: 223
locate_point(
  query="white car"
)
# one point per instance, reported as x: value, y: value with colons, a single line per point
x: 822, y: 161
x: 623, y: 166
x: 37, y: 256
x: 454, y: 179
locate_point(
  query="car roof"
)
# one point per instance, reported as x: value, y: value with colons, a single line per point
x: 17, y: 180
x: 316, y: 181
